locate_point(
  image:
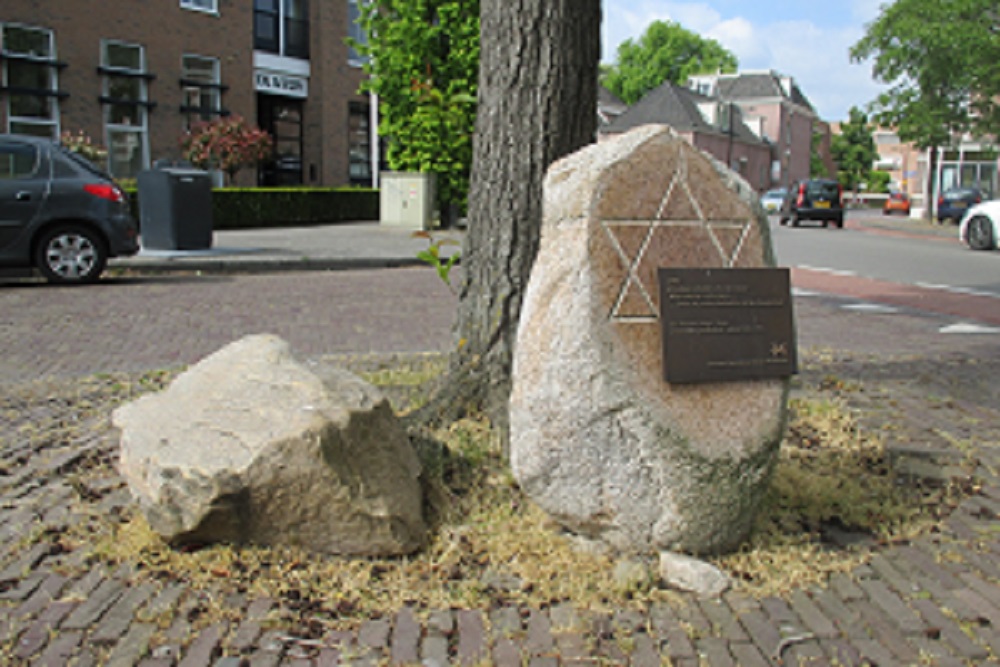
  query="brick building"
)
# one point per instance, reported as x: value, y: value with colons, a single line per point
x: 135, y: 74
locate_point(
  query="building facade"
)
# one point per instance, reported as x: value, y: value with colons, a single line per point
x: 714, y: 126
x: 776, y: 109
x: 134, y: 76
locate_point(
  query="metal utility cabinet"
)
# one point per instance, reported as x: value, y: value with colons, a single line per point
x: 175, y: 208
x: 406, y: 199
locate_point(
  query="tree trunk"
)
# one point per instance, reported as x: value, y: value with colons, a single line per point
x: 537, y: 102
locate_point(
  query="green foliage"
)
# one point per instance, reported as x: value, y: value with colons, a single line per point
x: 940, y: 58
x: 228, y: 143
x: 854, y: 150
x: 243, y: 208
x: 666, y: 52
x: 424, y: 66
x: 878, y: 181
x: 432, y: 256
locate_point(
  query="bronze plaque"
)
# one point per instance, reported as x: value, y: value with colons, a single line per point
x: 723, y: 325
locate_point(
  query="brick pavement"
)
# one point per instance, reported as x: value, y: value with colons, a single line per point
x: 933, y: 601
x: 145, y: 322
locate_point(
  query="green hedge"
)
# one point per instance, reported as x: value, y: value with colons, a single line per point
x: 244, y: 208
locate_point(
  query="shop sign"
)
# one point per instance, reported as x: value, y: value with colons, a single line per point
x: 281, y: 84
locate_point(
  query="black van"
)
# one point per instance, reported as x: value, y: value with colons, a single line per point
x: 815, y: 199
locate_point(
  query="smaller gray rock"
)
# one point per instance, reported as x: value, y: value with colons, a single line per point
x: 693, y: 575
x: 250, y: 445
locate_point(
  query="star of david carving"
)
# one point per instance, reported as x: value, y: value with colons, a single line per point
x: 728, y: 238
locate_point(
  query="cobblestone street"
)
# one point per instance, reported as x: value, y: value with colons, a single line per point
x: 934, y: 600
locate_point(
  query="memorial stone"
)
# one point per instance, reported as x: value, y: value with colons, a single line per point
x: 599, y: 439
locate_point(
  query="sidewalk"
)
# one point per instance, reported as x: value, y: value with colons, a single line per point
x: 368, y: 245
x: 356, y: 245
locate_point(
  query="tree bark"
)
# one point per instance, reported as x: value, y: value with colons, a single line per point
x: 538, y: 77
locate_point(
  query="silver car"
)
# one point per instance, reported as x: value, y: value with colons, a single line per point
x: 59, y: 213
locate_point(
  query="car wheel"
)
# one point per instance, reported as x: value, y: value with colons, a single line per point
x: 795, y: 220
x: 839, y: 222
x: 71, y: 254
x: 979, y: 233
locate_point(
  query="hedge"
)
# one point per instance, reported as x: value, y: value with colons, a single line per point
x: 244, y: 208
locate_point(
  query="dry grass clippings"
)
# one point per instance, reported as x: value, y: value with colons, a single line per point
x: 833, y: 501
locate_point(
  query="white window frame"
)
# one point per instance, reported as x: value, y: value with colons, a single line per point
x: 53, y: 122
x: 214, y: 87
x: 205, y: 6
x: 138, y: 129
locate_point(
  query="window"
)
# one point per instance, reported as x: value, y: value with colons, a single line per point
x: 359, y: 144
x: 126, y: 107
x: 17, y: 160
x: 30, y: 80
x: 282, y: 27
x: 202, y: 89
x: 210, y: 6
x: 355, y: 32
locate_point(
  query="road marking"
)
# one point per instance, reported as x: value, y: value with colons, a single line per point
x: 870, y: 308
x: 958, y: 290
x: 968, y: 328
x: 823, y: 269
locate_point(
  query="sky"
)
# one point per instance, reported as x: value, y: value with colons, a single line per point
x: 808, y: 40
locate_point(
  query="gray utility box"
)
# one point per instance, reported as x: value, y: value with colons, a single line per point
x: 175, y: 208
x: 406, y: 199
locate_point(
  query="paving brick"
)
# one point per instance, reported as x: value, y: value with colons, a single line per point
x: 405, y: 643
x: 894, y: 607
x: 506, y: 622
x: 506, y: 653
x: 48, y: 590
x: 747, y: 655
x: 723, y: 620
x: 886, y: 632
x: 434, y: 650
x: 947, y: 628
x: 539, y: 634
x: 120, y: 616
x: 374, y: 634
x: 762, y: 631
x: 667, y: 627
x: 714, y: 652
x: 37, y: 635
x: 812, y: 616
x: 472, y: 646
x: 847, y: 620
x: 60, y: 650
x: 644, y: 652
x: 205, y: 647
x: 133, y: 646
x: 94, y: 606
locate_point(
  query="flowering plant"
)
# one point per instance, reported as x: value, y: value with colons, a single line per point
x: 81, y: 144
x: 228, y: 143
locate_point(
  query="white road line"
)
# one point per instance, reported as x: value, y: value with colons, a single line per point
x: 822, y: 269
x: 968, y: 328
x: 958, y: 290
x: 866, y: 307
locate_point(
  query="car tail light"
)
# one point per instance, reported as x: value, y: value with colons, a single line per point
x: 105, y: 191
x: 802, y: 195
x: 840, y: 194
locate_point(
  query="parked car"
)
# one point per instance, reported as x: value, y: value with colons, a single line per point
x: 773, y: 199
x: 815, y: 199
x: 953, y: 203
x: 59, y: 212
x: 898, y: 202
x: 980, y: 227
